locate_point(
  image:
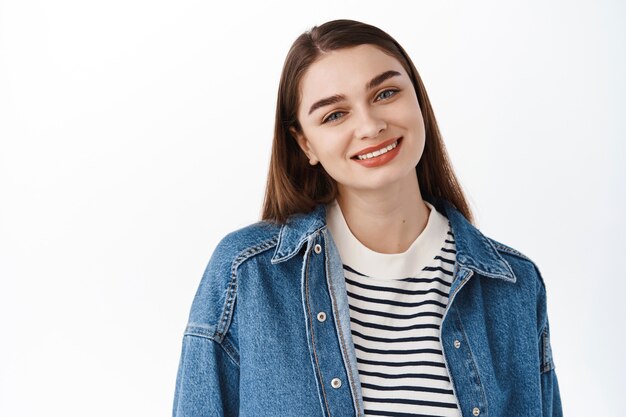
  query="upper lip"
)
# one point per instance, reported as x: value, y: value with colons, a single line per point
x: 376, y: 147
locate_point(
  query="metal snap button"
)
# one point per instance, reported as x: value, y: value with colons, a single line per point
x: 476, y: 411
x: 317, y: 248
x: 336, y: 382
x: 457, y: 345
x: 321, y: 316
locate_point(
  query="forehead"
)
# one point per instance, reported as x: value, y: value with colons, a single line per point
x: 345, y: 71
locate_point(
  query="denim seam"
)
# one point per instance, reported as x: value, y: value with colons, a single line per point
x: 488, y: 274
x: 445, y: 313
x: 231, y: 290
x: 509, y: 250
x: 231, y: 350
x: 475, y: 366
x: 229, y: 353
x: 547, y: 363
x: 308, y: 307
x: 200, y: 330
x: 337, y: 316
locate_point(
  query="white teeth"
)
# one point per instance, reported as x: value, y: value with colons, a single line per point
x: 378, y: 152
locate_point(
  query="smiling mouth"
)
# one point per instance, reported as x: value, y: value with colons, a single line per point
x: 377, y: 152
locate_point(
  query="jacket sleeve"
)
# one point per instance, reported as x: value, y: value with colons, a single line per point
x: 551, y: 398
x: 207, y: 382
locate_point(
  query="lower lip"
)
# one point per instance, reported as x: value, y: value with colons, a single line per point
x: 380, y: 159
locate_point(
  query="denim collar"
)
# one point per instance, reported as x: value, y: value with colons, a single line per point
x: 473, y: 249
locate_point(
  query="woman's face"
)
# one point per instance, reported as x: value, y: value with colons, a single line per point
x: 354, y: 101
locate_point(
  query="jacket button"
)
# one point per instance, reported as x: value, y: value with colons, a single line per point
x: 457, y: 345
x: 321, y: 316
x: 476, y: 411
x: 336, y: 382
x: 317, y: 248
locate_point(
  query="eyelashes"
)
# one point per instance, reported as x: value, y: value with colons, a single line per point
x: 331, y: 117
x: 383, y: 95
x: 392, y: 91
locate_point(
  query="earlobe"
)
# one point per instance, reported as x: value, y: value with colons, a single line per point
x: 304, y: 145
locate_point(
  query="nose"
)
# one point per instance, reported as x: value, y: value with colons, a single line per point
x: 368, y: 124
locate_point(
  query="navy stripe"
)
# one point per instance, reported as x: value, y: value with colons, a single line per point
x: 418, y: 280
x: 400, y: 376
x: 414, y: 402
x: 397, y: 352
x: 400, y: 364
x: 408, y: 388
x: 395, y: 290
x: 397, y: 340
x: 438, y: 268
x: 394, y: 328
x: 393, y: 414
x: 446, y: 260
x: 396, y: 303
x: 348, y: 268
x: 395, y: 316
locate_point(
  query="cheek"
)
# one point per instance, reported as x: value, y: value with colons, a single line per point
x: 409, y: 113
x: 331, y: 143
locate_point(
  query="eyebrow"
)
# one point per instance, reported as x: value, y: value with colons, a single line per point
x: 374, y: 82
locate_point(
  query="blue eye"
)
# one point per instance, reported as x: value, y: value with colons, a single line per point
x: 332, y: 117
x: 384, y: 95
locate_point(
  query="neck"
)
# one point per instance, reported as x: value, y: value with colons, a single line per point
x: 388, y: 220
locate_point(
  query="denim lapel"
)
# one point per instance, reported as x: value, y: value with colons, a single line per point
x: 473, y: 249
x: 296, y: 231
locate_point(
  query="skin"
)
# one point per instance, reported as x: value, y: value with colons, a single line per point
x: 383, y: 206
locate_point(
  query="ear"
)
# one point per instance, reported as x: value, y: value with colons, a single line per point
x: 303, y: 142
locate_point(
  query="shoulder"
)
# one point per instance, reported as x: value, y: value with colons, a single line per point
x: 240, y: 245
x: 213, y: 304
x: 245, y: 242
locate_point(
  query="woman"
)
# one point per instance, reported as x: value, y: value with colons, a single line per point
x: 365, y: 289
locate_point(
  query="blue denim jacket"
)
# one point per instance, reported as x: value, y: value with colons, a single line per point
x: 253, y: 345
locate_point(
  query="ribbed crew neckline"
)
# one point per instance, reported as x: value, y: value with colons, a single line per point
x: 387, y: 266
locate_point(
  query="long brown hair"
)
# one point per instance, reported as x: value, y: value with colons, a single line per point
x: 293, y: 185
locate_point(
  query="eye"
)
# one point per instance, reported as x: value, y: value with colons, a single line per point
x: 385, y: 94
x: 333, y: 116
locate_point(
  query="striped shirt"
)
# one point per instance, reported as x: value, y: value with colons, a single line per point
x: 396, y: 305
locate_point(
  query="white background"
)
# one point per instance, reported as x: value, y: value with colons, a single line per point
x: 134, y: 134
